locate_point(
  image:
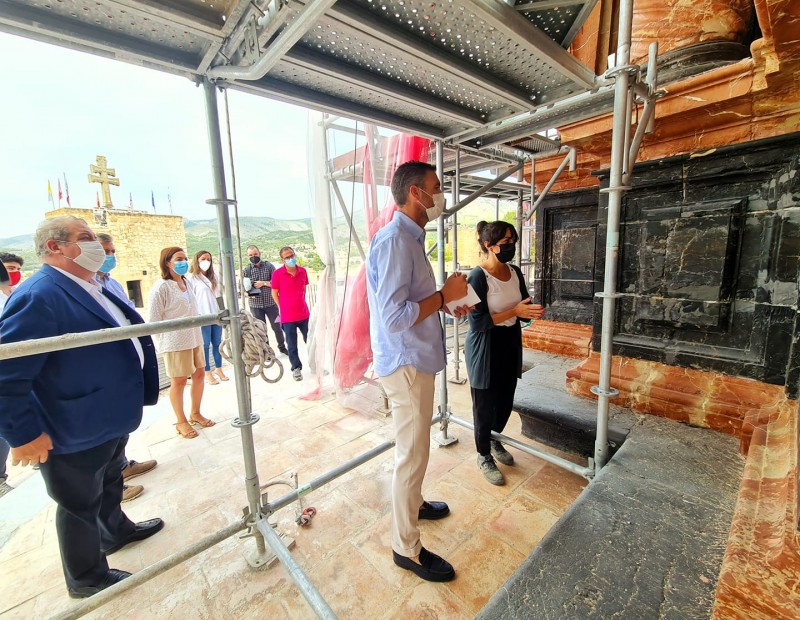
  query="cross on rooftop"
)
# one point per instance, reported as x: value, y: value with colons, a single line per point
x: 105, y: 176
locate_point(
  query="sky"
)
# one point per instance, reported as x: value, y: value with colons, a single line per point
x: 60, y: 108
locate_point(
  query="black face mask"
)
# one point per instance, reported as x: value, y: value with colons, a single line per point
x: 255, y: 259
x: 506, y: 252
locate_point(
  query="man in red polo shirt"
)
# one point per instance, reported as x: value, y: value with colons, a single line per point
x: 289, y: 292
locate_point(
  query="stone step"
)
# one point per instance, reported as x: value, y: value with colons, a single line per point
x: 645, y: 539
x: 556, y: 418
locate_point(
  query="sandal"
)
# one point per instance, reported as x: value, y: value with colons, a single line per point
x: 189, y: 434
x: 221, y: 376
x: 211, y: 379
x: 204, y: 422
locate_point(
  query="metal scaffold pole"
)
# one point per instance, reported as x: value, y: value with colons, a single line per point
x: 246, y: 418
x: 622, y: 112
x: 442, y: 437
x: 260, y: 528
x: 456, y: 378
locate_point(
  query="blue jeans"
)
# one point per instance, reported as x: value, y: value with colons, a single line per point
x: 290, y: 329
x: 4, y: 451
x: 212, y: 335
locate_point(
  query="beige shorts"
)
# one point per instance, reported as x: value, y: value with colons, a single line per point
x: 184, y: 363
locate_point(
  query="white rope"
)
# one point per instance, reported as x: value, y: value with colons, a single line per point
x: 257, y: 354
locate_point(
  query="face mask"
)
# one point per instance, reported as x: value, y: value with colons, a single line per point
x: 181, y: 267
x: 91, y: 257
x: 108, y: 264
x: 205, y: 265
x: 14, y: 277
x: 255, y: 259
x: 506, y: 252
x: 439, y: 202
x: 291, y: 262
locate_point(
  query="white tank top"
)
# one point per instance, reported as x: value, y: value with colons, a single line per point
x: 502, y: 296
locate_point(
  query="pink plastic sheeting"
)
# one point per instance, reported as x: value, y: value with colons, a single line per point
x: 353, y: 350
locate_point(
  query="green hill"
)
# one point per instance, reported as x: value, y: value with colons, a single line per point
x: 269, y: 234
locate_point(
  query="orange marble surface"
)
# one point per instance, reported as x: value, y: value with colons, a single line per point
x: 566, y: 339
x: 731, y: 405
x: 757, y: 97
x: 675, y: 23
x: 760, y: 575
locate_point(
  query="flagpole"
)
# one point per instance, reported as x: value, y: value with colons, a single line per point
x: 66, y: 189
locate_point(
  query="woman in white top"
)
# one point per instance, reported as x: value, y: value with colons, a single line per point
x: 206, y: 290
x: 172, y: 298
x: 493, y: 347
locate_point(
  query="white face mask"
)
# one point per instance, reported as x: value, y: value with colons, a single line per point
x: 92, y: 255
x: 204, y: 264
x: 439, y: 202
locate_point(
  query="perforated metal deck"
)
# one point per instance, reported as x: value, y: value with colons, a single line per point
x: 473, y: 72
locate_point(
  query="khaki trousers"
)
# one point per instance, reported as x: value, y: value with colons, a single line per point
x: 411, y: 395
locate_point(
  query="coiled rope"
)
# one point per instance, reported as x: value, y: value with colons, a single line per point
x: 257, y: 354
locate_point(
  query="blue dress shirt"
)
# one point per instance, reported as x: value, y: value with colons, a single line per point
x: 398, y: 277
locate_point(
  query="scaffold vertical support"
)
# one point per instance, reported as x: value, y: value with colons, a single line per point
x: 619, y: 137
x: 456, y: 378
x: 442, y: 438
x: 245, y: 419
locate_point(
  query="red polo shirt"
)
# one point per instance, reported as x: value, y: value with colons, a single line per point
x: 292, y: 290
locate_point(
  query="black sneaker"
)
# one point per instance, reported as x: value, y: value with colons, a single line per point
x: 500, y: 454
x: 489, y: 470
x: 430, y: 568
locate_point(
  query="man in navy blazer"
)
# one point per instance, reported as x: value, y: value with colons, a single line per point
x: 72, y: 409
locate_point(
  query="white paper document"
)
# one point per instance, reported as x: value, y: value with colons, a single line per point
x: 470, y: 300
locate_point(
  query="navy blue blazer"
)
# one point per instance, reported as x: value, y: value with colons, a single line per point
x: 81, y: 397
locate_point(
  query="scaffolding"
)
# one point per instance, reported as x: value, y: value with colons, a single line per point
x: 479, y: 77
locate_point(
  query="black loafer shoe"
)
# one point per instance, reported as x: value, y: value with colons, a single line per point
x: 114, y: 576
x: 432, y: 567
x: 434, y: 510
x: 144, y: 529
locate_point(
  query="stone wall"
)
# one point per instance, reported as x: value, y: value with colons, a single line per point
x: 139, y: 238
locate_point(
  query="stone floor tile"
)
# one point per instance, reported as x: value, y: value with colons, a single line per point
x: 348, y: 584
x: 429, y: 601
x: 555, y: 487
x: 482, y: 563
x: 521, y: 522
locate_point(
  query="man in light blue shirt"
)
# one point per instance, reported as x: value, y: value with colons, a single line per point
x: 408, y: 351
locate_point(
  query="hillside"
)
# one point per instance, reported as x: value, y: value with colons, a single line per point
x: 269, y: 234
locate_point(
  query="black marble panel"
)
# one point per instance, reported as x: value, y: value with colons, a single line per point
x: 564, y: 281
x: 709, y: 262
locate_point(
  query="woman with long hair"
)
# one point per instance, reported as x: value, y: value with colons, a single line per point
x: 172, y: 298
x: 206, y: 290
x: 493, y: 347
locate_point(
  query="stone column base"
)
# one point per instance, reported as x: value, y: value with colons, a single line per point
x: 567, y: 339
x: 731, y: 405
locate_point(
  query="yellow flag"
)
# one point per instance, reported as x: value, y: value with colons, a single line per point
x: 49, y: 191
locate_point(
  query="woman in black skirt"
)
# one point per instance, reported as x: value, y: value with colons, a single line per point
x: 493, y: 348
